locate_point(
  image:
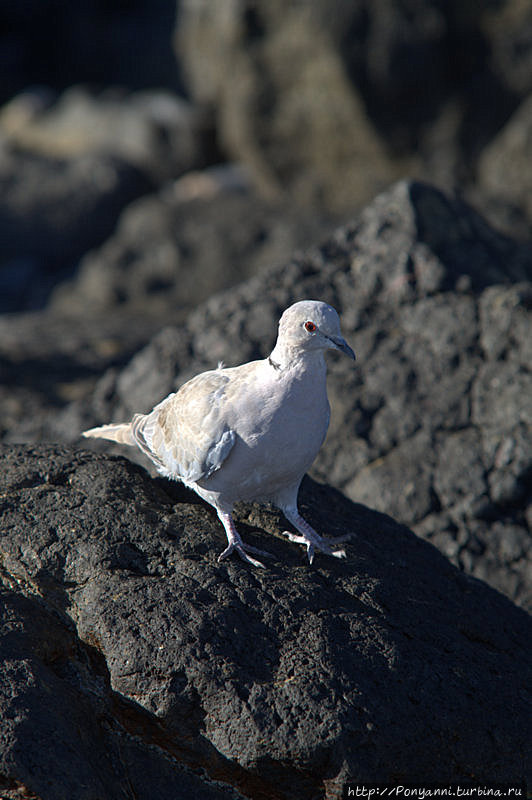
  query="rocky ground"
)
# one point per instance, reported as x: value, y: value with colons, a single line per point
x: 176, y: 671
x: 155, y: 223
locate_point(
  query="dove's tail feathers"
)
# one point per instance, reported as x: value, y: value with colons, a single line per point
x: 142, y: 433
x: 117, y: 432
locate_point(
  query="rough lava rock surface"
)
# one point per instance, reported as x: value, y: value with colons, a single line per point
x: 433, y: 424
x: 136, y: 664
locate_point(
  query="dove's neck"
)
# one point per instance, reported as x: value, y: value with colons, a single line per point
x: 284, y: 356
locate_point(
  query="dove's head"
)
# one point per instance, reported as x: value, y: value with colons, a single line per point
x: 312, y: 325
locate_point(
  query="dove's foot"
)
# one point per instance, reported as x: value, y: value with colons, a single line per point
x: 235, y: 543
x: 243, y: 550
x: 313, y: 541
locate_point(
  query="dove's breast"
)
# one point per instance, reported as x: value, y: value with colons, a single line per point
x: 280, y: 422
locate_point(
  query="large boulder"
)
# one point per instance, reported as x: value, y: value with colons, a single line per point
x: 174, y: 249
x: 135, y: 659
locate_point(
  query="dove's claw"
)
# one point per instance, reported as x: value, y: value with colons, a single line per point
x: 234, y: 542
x: 320, y: 544
x: 338, y: 553
x: 241, y: 550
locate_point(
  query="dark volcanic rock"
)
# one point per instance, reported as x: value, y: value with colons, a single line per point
x: 433, y: 424
x: 390, y: 665
x: 64, y: 732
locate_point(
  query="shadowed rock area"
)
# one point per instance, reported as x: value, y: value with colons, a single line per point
x: 135, y: 662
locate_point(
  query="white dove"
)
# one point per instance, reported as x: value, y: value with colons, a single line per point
x: 250, y: 432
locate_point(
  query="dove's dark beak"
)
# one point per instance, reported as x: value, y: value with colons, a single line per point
x: 340, y: 344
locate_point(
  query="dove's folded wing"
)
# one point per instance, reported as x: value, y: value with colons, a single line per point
x: 187, y: 434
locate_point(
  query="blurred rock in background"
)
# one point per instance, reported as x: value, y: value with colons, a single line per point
x: 173, y: 249
x: 331, y: 100
x: 323, y: 104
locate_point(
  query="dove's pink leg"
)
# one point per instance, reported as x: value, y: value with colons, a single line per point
x: 234, y: 542
x: 310, y: 538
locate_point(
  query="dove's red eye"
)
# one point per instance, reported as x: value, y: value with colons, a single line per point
x: 310, y: 327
